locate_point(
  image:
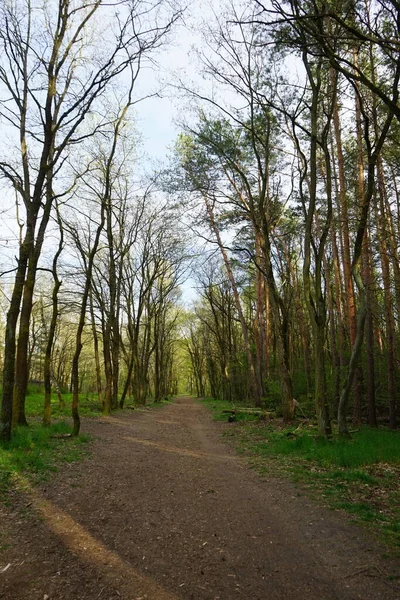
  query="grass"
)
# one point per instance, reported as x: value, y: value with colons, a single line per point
x: 360, y: 475
x: 367, y: 447
x: 34, y: 453
x: 89, y: 405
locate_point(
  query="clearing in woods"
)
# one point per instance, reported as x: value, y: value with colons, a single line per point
x: 164, y: 510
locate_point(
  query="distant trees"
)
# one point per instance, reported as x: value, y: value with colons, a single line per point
x: 214, y: 341
x: 151, y: 276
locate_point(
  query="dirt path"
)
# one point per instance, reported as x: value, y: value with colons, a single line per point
x: 164, y: 510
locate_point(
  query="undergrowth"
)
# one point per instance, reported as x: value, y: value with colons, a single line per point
x: 366, y: 447
x: 360, y: 475
x: 89, y: 406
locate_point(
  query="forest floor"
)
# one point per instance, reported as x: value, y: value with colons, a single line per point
x: 163, y: 509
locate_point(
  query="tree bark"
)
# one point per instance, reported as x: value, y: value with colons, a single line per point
x: 345, y: 236
x: 10, y: 340
x: 96, y: 351
x: 47, y: 368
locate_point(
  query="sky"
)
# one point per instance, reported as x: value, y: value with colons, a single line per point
x: 156, y: 118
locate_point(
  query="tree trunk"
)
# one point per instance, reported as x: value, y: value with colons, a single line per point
x: 369, y: 335
x: 345, y: 235
x: 356, y: 351
x: 10, y: 338
x: 107, y: 371
x: 96, y: 351
x: 47, y: 369
x: 81, y: 323
x: 313, y: 289
x: 127, y: 383
x: 281, y: 321
x: 389, y: 316
x: 49, y: 347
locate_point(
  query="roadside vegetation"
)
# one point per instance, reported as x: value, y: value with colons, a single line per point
x: 359, y: 474
x: 89, y: 404
x: 36, y: 451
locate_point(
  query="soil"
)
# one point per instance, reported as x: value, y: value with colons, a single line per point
x: 163, y: 509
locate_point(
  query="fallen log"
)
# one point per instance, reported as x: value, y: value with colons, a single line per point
x: 262, y: 414
x: 250, y: 411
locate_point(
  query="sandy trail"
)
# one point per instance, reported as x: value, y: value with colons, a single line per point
x: 164, y: 510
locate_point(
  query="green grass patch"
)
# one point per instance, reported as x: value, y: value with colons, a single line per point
x: 89, y: 406
x: 34, y: 453
x: 366, y: 447
x: 360, y: 475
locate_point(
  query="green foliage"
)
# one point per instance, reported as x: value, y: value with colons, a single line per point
x: 273, y: 401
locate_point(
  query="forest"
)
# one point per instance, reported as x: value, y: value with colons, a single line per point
x: 279, y: 202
